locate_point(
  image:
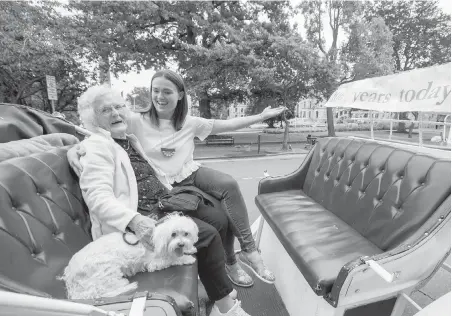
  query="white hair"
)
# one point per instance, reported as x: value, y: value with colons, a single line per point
x: 86, y: 102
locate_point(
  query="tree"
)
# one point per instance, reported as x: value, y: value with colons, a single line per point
x: 368, y: 51
x: 142, y: 97
x: 365, y: 52
x: 34, y: 45
x: 287, y: 68
x: 340, y: 14
x: 421, y: 35
x: 221, y: 50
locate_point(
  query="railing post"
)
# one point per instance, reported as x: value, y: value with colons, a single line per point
x: 420, y: 129
x: 390, y: 126
x: 371, y: 125
x: 445, y: 129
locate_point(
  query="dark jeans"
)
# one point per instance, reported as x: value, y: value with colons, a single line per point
x: 226, y: 189
x: 211, y: 223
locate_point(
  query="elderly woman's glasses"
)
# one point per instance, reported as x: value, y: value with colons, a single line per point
x: 109, y: 109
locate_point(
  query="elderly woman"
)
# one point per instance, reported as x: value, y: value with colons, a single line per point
x: 115, y: 171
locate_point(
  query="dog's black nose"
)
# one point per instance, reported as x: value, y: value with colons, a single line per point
x: 181, y: 244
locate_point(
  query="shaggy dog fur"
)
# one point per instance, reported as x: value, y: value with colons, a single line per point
x: 101, y: 268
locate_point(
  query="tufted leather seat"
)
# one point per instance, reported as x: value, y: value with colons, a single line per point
x: 349, y: 199
x: 43, y: 222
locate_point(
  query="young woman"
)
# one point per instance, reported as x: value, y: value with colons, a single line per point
x: 167, y: 135
x: 119, y: 187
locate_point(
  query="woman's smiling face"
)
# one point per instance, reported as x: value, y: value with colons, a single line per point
x: 165, y: 96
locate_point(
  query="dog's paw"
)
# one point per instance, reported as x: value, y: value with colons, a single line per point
x: 191, y: 251
x: 189, y: 260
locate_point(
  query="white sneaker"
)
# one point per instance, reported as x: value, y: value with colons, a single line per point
x: 236, y: 310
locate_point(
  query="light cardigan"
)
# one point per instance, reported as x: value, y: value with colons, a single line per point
x: 108, y: 183
x: 152, y: 138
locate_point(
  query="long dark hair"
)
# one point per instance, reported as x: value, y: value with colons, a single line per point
x: 181, y: 110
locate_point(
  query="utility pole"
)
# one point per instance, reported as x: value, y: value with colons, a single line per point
x: 133, y: 97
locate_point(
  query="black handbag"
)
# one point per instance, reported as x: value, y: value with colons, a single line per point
x: 182, y: 198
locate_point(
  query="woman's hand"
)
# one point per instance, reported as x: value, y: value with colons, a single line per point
x: 73, y: 157
x: 143, y: 227
x: 269, y: 112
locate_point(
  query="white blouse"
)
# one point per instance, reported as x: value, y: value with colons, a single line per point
x: 181, y: 165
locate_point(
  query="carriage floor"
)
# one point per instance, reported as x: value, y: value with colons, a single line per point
x: 261, y: 299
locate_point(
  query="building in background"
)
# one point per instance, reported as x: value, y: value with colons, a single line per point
x: 237, y: 110
x: 311, y: 109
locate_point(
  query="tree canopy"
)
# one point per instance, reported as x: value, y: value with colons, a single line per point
x: 227, y: 51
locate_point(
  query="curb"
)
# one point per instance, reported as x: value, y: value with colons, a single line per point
x: 251, y: 156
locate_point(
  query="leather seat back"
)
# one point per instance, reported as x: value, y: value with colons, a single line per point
x: 43, y: 220
x: 383, y: 192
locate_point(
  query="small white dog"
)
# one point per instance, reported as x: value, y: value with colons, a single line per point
x: 101, y: 268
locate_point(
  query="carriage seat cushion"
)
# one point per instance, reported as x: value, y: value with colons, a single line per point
x: 318, y: 241
x: 44, y: 221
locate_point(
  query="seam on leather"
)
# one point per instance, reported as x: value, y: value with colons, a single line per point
x: 54, y: 173
x: 32, y: 239
x: 16, y: 238
x: 351, y: 163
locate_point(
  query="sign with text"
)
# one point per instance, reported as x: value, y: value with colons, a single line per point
x: 51, y: 88
x: 426, y: 89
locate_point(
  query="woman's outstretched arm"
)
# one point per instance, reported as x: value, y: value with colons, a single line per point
x: 220, y: 126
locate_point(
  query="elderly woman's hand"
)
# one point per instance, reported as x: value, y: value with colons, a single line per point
x: 73, y: 157
x: 143, y: 227
x: 270, y: 112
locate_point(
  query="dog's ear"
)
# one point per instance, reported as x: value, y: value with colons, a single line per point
x: 194, y: 230
x: 161, y: 239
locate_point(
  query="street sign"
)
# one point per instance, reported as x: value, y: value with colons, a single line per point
x: 51, y: 88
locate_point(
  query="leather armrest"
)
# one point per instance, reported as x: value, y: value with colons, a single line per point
x: 291, y: 181
x: 411, y: 263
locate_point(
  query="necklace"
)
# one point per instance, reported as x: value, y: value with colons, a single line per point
x: 167, y: 151
x: 125, y: 143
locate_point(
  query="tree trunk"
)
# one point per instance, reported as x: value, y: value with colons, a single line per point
x: 285, y: 145
x: 410, y: 130
x: 104, y: 70
x: 204, y: 108
x: 330, y: 122
x: 401, y: 127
